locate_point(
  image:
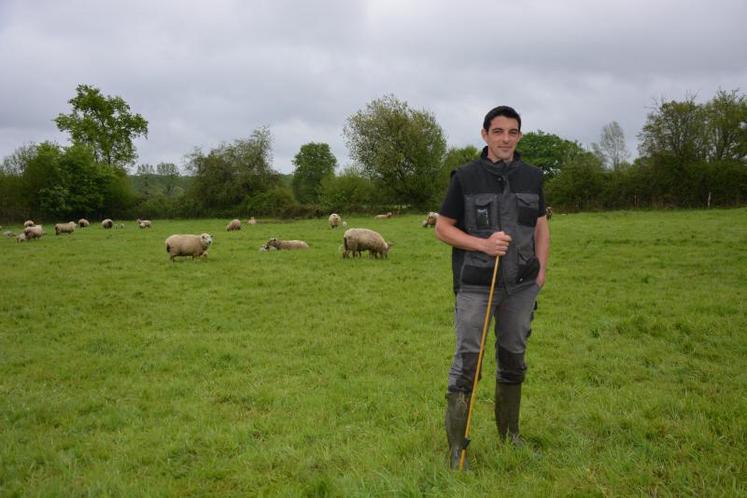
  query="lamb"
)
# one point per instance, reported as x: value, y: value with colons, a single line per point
x: 107, y: 223
x: 384, y: 216
x: 83, y: 223
x: 64, y: 228
x: 430, y: 220
x: 286, y: 244
x: 334, y: 220
x: 21, y: 237
x: 34, y: 232
x: 28, y: 223
x: 548, y: 212
x: 143, y: 223
x: 188, y: 245
x: 251, y: 221
x: 356, y: 240
x: 233, y: 225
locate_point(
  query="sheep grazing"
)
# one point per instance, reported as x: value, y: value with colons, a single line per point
x: 357, y: 240
x: 286, y: 244
x: 430, y: 220
x: 344, y: 224
x: 83, y: 223
x: 384, y: 216
x: 188, y: 245
x: 334, y: 220
x: 64, y: 228
x: 233, y: 225
x: 548, y: 212
x: 251, y: 221
x: 107, y: 223
x: 143, y: 223
x: 21, y: 237
x: 34, y: 232
x: 28, y: 223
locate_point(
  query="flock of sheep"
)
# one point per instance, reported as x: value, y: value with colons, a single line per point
x: 355, y: 240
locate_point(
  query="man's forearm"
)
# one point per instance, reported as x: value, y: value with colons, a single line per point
x: 542, y: 243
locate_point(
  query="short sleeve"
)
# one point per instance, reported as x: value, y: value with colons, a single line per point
x: 453, y: 205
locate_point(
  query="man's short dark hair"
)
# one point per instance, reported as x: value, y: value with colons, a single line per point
x: 501, y: 110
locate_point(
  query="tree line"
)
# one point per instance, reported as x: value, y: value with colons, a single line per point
x: 690, y: 155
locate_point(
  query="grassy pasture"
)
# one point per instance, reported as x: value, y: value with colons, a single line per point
x: 302, y: 374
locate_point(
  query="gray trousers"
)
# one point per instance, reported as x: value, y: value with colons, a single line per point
x: 513, y: 319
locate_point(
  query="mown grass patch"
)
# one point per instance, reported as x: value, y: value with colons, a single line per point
x: 303, y: 374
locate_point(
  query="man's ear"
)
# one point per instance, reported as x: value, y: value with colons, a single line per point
x: 484, y: 134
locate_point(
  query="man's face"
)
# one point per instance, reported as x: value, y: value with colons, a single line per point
x: 502, y: 138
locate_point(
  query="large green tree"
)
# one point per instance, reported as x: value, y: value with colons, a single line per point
x: 105, y: 124
x: 313, y: 162
x: 548, y: 151
x: 399, y: 148
x: 230, y: 175
x: 726, y: 115
x: 677, y: 130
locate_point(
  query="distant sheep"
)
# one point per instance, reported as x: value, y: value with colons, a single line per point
x: 28, y: 223
x: 251, y: 221
x: 344, y: 224
x: 107, y: 223
x: 9, y: 234
x: 121, y: 225
x: 34, y: 232
x: 21, y: 237
x: 357, y: 240
x: 143, y: 223
x: 233, y: 225
x: 64, y: 228
x: 188, y: 245
x: 430, y: 220
x: 334, y: 220
x: 384, y: 216
x: 548, y: 212
x: 83, y: 223
x: 286, y: 244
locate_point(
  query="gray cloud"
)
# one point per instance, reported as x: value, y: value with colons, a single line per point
x: 203, y: 73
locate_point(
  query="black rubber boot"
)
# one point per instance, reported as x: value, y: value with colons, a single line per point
x: 457, y: 405
x: 507, y: 403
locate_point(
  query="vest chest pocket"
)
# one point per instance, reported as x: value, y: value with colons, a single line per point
x: 481, y: 214
x: 528, y: 208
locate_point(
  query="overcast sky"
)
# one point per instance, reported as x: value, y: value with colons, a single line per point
x: 206, y: 72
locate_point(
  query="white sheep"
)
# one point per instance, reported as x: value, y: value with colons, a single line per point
x: 34, y: 232
x: 430, y: 220
x: 64, y: 228
x: 9, y: 234
x: 21, y: 237
x: 251, y: 221
x: 107, y: 223
x: 28, y: 223
x: 143, y: 223
x: 82, y: 223
x: 188, y: 245
x: 384, y: 216
x: 356, y: 240
x: 334, y: 220
x: 233, y: 225
x: 344, y: 224
x: 286, y: 244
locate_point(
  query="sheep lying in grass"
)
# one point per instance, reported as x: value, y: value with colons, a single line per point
x: 188, y: 245
x: 286, y: 244
x: 144, y: 223
x: 34, y: 232
x: 430, y: 220
x: 9, y: 234
x: 233, y: 225
x: 384, y: 216
x: 83, y: 223
x: 356, y: 240
x: 334, y: 220
x: 64, y: 228
x: 107, y: 223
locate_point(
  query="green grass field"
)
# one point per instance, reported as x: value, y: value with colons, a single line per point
x: 303, y: 374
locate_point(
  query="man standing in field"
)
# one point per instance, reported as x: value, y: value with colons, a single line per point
x: 494, y: 207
